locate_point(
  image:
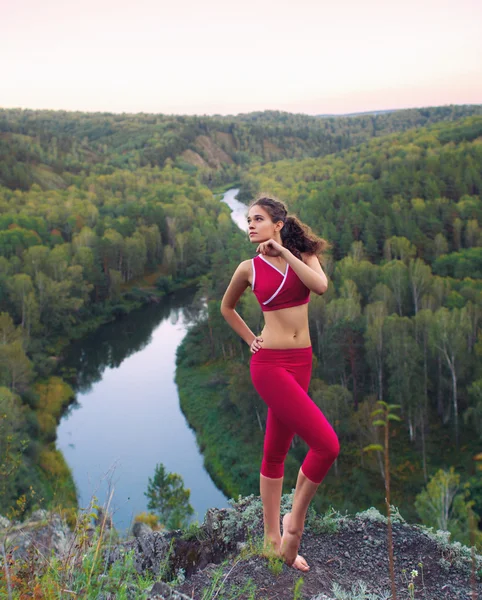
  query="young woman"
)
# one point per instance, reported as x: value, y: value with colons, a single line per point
x: 282, y: 276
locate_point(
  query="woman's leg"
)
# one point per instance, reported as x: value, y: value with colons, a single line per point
x: 270, y: 491
x: 276, y: 445
x: 290, y: 543
x: 294, y: 409
x: 277, y: 441
x: 292, y: 406
x: 294, y: 522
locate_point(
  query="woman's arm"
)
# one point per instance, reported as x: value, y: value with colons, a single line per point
x: 239, y: 282
x: 308, y: 270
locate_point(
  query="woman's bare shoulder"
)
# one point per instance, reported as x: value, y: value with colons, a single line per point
x: 246, y: 266
x: 306, y: 257
x: 239, y: 282
x: 244, y: 269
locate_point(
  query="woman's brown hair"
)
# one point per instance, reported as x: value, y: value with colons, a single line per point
x: 295, y: 235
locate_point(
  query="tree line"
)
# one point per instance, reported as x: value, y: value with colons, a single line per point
x: 51, y: 147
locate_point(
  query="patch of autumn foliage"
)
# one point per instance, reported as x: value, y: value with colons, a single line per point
x: 54, y: 395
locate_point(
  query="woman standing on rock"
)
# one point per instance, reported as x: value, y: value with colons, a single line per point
x: 282, y: 276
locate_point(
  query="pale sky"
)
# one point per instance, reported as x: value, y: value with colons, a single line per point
x: 217, y: 56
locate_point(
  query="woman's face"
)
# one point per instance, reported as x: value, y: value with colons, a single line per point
x: 260, y: 225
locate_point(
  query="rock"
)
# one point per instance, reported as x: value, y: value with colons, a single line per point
x: 151, y: 552
x: 61, y: 535
x: 140, y: 529
x: 54, y: 535
x: 365, y: 564
x: 161, y: 591
x: 39, y: 515
x: 213, y: 522
x: 210, y: 553
x: 4, y: 523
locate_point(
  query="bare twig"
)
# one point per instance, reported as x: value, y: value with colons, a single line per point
x: 7, y: 571
x: 224, y: 580
x: 99, y: 541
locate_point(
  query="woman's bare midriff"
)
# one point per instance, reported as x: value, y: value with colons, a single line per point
x: 286, y: 328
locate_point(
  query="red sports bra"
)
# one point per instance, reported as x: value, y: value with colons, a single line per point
x: 274, y: 289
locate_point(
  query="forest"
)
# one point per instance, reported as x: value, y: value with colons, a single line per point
x: 91, y: 204
x: 51, y: 147
x: 69, y: 260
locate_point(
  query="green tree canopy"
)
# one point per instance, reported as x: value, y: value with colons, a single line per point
x: 168, y: 498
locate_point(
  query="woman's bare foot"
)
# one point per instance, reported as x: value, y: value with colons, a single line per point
x: 290, y: 542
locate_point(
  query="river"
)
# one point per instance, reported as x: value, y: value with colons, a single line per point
x: 126, y: 417
x: 239, y: 210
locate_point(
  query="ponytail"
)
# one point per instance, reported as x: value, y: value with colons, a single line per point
x: 298, y: 238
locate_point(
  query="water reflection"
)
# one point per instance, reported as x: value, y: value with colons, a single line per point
x: 112, y: 343
x: 127, y: 417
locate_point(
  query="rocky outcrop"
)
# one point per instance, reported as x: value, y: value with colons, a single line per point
x: 349, y: 554
x: 193, y: 158
x: 211, y: 152
x: 165, y: 554
x: 44, y: 531
x: 223, y: 556
x: 346, y: 554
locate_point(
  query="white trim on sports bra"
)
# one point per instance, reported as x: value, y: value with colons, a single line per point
x: 267, y: 261
x: 254, y: 274
x: 282, y: 284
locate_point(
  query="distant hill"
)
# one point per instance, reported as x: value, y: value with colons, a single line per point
x: 357, y: 114
x: 50, y: 147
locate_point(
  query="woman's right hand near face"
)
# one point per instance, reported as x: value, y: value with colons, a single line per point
x: 256, y: 344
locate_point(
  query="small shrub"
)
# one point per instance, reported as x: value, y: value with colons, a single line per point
x: 330, y: 522
x: 193, y: 531
x: 275, y: 564
x: 372, y: 514
x: 359, y: 591
x: 149, y: 519
x: 297, y: 590
x: 247, y: 517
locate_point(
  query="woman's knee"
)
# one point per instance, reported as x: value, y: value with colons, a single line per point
x: 334, y: 447
x: 273, y: 469
x: 329, y: 446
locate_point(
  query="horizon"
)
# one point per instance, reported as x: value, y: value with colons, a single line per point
x: 218, y: 59
x: 213, y: 115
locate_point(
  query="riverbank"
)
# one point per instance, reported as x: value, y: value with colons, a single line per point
x: 201, y: 393
x: 152, y: 288
x: 134, y: 294
x: 55, y: 394
x: 231, y: 456
x: 52, y: 472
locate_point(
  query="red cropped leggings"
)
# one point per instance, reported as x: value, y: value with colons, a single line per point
x: 281, y: 378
